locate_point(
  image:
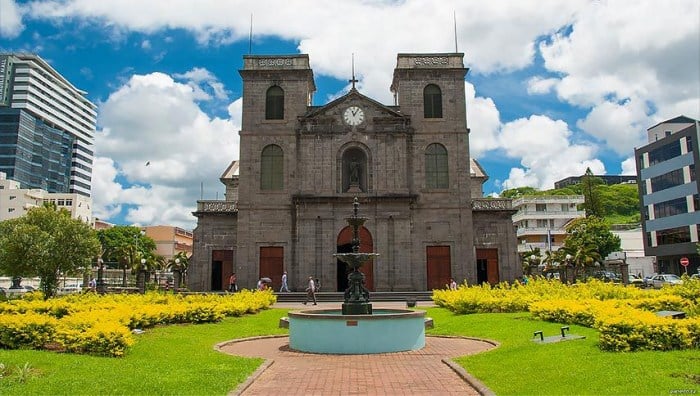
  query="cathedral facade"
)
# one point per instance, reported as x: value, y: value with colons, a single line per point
x: 301, y: 166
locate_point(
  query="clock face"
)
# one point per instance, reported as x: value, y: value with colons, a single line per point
x: 353, y: 115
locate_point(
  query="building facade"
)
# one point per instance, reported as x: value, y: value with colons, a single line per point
x: 170, y: 240
x: 47, y: 127
x: 541, y: 220
x: 301, y: 166
x: 16, y: 201
x: 668, y: 194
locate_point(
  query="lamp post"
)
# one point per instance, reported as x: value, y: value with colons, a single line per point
x: 176, y: 275
x: 568, y: 264
x: 100, y: 276
x: 142, y: 277
x: 533, y: 260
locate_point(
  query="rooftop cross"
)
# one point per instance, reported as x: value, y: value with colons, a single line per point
x: 353, y: 80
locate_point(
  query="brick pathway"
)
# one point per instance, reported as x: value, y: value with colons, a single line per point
x: 424, y: 372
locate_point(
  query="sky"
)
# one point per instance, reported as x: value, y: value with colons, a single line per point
x: 554, y: 87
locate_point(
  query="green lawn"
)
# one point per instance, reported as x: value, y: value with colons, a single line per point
x: 180, y: 360
x: 522, y: 367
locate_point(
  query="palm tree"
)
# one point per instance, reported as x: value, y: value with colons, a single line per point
x: 178, y: 264
x: 530, y: 260
x: 581, y: 257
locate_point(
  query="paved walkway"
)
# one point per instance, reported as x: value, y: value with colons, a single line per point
x: 428, y: 371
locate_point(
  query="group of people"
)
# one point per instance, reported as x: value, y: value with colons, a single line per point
x: 312, y: 288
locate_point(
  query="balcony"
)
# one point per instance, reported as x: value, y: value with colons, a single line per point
x: 522, y: 231
x: 547, y: 214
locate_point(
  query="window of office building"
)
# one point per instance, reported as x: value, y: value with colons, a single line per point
x: 540, y: 207
x: 689, y: 144
x: 670, y: 208
x: 667, y: 180
x: 673, y: 235
x: 696, y: 202
x: 664, y: 153
x: 564, y: 207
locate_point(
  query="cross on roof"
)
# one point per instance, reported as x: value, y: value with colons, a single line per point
x: 353, y: 80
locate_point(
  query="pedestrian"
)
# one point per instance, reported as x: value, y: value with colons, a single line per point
x: 453, y: 284
x: 311, y: 291
x: 232, y: 280
x: 284, y: 287
x: 260, y: 285
x: 525, y: 280
x: 92, y: 284
x: 318, y: 285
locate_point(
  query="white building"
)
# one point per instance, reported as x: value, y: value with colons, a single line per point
x: 15, y: 201
x: 541, y: 220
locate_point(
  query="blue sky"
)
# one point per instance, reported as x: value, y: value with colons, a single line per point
x: 554, y: 86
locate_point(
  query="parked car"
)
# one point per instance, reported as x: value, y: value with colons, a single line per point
x: 607, y: 276
x: 658, y: 281
x: 695, y: 276
x: 647, y: 279
x: 636, y: 280
x: 70, y: 289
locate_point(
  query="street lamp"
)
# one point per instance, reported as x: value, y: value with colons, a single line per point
x: 100, y: 276
x: 177, y: 275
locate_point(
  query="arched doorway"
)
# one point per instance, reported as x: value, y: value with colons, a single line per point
x: 345, y: 246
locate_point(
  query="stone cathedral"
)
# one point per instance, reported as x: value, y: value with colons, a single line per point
x: 301, y: 166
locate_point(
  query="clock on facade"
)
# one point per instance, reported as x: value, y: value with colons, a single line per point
x: 353, y: 115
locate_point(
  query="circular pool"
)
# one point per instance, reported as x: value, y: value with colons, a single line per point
x: 329, y: 331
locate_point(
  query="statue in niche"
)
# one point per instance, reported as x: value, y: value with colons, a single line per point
x: 355, y: 169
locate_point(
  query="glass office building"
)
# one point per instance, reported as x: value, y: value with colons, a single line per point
x: 669, y: 194
x: 47, y: 127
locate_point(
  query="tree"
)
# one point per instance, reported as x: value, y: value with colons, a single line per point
x: 126, y: 246
x: 530, y: 260
x: 589, y: 189
x: 519, y: 192
x: 589, y: 238
x: 179, y: 264
x: 47, y: 243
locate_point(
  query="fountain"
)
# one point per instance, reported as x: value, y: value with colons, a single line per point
x: 356, y: 328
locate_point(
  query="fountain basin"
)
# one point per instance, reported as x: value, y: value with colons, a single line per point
x: 329, y: 331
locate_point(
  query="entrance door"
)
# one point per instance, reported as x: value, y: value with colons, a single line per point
x: 344, y: 245
x: 272, y: 264
x: 487, y: 259
x: 438, y: 265
x: 221, y: 268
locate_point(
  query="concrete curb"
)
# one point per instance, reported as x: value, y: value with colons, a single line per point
x: 257, y: 373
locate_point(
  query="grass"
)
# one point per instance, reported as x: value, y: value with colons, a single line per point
x: 180, y: 360
x: 166, y: 360
x: 520, y: 366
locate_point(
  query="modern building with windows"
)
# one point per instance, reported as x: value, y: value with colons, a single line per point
x: 301, y: 166
x: 668, y: 191
x: 541, y: 220
x: 47, y: 127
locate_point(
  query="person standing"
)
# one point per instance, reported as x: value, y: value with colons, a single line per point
x: 232, y: 280
x: 311, y: 291
x: 453, y: 284
x: 284, y: 287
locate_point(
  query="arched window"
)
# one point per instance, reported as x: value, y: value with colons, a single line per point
x: 432, y: 101
x: 436, y: 170
x: 274, y: 103
x: 272, y: 168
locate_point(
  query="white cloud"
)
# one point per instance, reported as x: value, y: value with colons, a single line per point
x: 545, y: 152
x: 629, y: 166
x: 483, y: 122
x: 621, y: 126
x: 146, y: 44
x: 155, y: 148
x: 10, y: 19
x: 203, y: 82
x: 539, y: 85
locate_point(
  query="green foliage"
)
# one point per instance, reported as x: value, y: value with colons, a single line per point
x: 590, y: 190
x: 590, y: 234
x: 126, y: 246
x: 518, y: 192
x: 46, y: 243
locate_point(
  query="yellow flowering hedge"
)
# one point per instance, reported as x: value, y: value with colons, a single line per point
x: 101, y: 325
x: 625, y: 316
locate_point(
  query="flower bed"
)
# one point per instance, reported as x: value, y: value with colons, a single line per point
x: 625, y: 316
x: 102, y: 325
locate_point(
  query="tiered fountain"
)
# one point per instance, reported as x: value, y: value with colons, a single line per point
x: 356, y: 329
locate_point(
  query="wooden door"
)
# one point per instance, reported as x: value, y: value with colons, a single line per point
x: 491, y: 258
x: 272, y: 264
x: 438, y: 263
x: 366, y: 246
x: 221, y: 269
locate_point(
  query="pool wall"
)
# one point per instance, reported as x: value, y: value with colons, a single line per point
x: 327, y: 331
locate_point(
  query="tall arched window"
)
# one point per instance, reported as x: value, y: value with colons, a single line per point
x: 274, y: 103
x: 432, y: 101
x: 354, y: 170
x: 272, y: 168
x: 436, y: 170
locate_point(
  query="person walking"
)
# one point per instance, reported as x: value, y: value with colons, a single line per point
x: 311, y: 291
x: 453, y: 284
x: 232, y: 280
x: 284, y: 287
